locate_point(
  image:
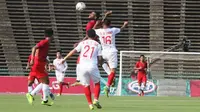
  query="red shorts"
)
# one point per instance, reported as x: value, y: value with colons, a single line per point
x: 141, y: 78
x: 32, y: 76
x: 39, y: 70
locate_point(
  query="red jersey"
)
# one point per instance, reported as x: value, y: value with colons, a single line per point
x: 90, y: 25
x: 143, y: 67
x: 42, y: 51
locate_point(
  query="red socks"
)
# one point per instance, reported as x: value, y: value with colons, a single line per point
x: 110, y: 78
x: 61, y: 88
x: 88, y: 94
x: 97, y: 91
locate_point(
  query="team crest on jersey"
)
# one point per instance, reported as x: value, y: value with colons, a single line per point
x: 150, y: 87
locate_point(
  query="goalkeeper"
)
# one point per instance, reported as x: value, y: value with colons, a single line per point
x: 141, y: 68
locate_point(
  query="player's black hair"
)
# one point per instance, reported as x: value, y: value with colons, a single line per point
x: 59, y: 51
x: 97, y: 15
x: 91, y: 33
x: 107, y: 22
x: 142, y: 56
x: 48, y: 32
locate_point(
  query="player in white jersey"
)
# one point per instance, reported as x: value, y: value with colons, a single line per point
x: 60, y: 70
x: 90, y: 56
x: 109, y: 52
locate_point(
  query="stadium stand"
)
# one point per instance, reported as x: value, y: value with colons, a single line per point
x: 154, y: 25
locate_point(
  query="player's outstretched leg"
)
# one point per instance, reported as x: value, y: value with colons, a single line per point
x: 110, y: 81
x: 30, y: 88
x: 97, y: 90
x: 45, y: 89
x: 88, y: 96
x: 77, y: 83
x: 29, y: 98
x: 106, y: 68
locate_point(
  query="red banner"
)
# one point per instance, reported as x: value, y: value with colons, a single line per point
x: 18, y: 84
x: 195, y: 88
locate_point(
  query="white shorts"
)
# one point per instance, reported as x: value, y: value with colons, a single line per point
x: 111, y: 58
x: 77, y: 72
x: 87, y: 74
x: 60, y: 77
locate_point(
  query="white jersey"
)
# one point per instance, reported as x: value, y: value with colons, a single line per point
x: 107, y: 38
x: 60, y: 67
x: 89, y: 52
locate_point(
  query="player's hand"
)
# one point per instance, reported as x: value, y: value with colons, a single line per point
x: 126, y: 23
x: 31, y: 62
x: 27, y: 67
x: 108, y: 13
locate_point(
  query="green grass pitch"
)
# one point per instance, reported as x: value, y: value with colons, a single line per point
x: 68, y: 103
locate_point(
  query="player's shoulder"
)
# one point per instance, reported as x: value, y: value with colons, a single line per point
x: 55, y: 60
x: 99, y: 29
x: 114, y: 28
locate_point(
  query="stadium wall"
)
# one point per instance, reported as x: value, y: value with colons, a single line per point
x: 162, y: 87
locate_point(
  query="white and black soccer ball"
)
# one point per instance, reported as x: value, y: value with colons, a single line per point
x: 80, y: 6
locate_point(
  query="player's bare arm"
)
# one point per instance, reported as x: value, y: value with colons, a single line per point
x: 71, y: 53
x: 33, y: 54
x: 27, y: 66
x: 124, y: 25
x: 99, y: 23
x: 106, y: 15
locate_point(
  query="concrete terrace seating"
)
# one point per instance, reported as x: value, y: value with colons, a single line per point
x: 154, y: 25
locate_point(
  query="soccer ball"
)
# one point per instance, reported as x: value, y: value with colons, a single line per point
x: 80, y: 6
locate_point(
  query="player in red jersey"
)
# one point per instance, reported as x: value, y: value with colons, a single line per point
x: 93, y: 23
x: 38, y: 63
x: 32, y: 78
x: 140, y: 68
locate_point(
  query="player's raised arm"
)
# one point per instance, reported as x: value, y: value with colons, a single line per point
x: 98, y: 23
x: 124, y: 25
x: 106, y: 15
x: 32, y: 55
x: 71, y: 53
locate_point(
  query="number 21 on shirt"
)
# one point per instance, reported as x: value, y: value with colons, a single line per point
x: 88, y: 51
x: 106, y: 39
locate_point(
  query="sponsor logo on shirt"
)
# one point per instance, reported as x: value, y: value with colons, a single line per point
x: 150, y: 87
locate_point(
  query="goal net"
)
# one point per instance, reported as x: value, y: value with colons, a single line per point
x: 161, y: 65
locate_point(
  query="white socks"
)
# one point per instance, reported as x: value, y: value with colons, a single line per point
x: 37, y: 89
x: 106, y: 68
x: 45, y: 89
x: 30, y: 89
x: 139, y: 90
x: 77, y: 77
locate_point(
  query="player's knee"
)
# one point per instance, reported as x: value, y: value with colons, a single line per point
x: 45, y: 80
x: 113, y: 70
x: 30, y: 83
